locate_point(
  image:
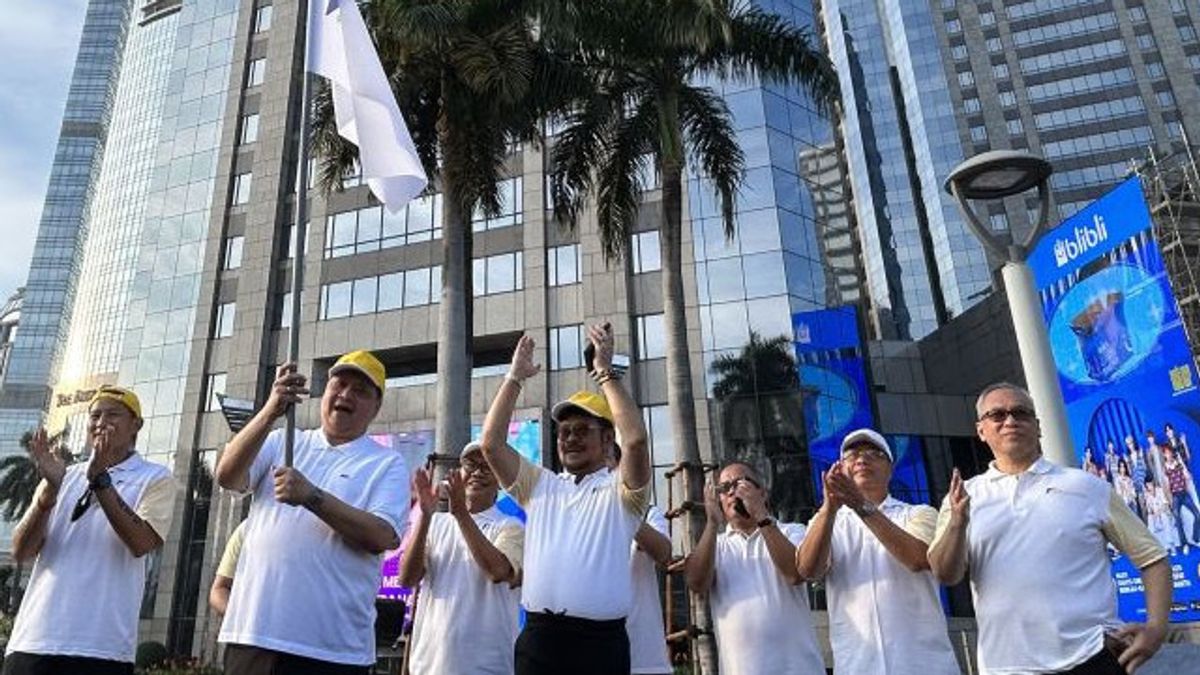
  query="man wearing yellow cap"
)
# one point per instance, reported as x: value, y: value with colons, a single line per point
x: 577, y: 589
x: 86, y: 530
x: 304, y: 601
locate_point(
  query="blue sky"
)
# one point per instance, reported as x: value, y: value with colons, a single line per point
x: 37, y: 48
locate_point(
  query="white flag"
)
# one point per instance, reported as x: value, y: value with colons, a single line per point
x: 341, y: 50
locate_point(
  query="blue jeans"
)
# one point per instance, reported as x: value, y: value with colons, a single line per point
x: 1179, y: 501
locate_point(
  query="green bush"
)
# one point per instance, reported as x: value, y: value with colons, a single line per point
x: 150, y: 655
x: 180, y: 666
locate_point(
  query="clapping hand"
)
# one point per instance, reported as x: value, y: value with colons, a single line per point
x: 423, y: 490
x: 46, y: 459
x: 523, y: 367
x: 960, y: 501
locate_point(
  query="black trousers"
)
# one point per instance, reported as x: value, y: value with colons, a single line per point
x: 553, y: 644
x: 21, y: 663
x: 247, y: 660
x: 1103, y: 663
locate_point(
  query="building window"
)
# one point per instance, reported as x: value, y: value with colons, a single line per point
x: 987, y: 18
x: 646, y: 252
x: 661, y: 447
x: 249, y: 129
x: 1008, y: 99
x: 335, y: 300
x: 223, y: 327
x: 373, y: 228
x: 966, y: 78
x: 418, y: 285
x: 499, y: 273
x: 1015, y: 128
x: 1146, y: 42
x: 959, y: 52
x: 1000, y: 71
x: 971, y: 105
x: 953, y: 26
x: 1137, y: 14
x: 510, y: 207
x: 363, y: 295
x: 652, y: 341
x: 285, y: 310
x: 262, y: 19
x: 1165, y: 98
x: 1187, y: 34
x: 215, y: 385
x: 978, y: 134
x: 256, y: 72
x: 1155, y: 70
x: 566, y: 347
x: 241, y: 188
x: 233, y: 252
x: 993, y: 45
x: 565, y: 265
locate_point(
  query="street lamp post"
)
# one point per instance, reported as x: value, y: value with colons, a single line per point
x: 995, y: 175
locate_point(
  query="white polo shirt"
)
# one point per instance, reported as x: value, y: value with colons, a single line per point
x: 300, y: 588
x: 1039, y: 568
x: 763, y: 623
x: 465, y: 624
x: 86, y: 587
x: 647, y: 638
x: 577, y: 538
x: 883, y: 618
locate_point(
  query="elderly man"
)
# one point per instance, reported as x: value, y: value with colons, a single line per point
x: 577, y: 587
x: 86, y: 530
x: 304, y: 601
x: 468, y: 562
x: 1033, y: 536
x: 884, y: 614
x: 746, y: 563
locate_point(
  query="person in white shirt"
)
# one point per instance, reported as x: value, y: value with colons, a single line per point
x: 746, y: 563
x: 87, y: 530
x: 884, y: 614
x: 577, y: 588
x: 304, y: 601
x: 1033, y: 537
x: 468, y: 563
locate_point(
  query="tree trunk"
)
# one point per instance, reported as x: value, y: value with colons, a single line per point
x: 453, y: 425
x: 680, y: 399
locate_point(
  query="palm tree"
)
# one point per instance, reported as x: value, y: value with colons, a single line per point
x: 471, y: 77
x: 646, y: 58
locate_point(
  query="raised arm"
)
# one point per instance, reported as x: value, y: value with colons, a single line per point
x: 909, y: 550
x: 779, y: 547
x: 505, y: 461
x: 700, y: 569
x: 134, y: 531
x: 627, y: 418
x: 412, y: 561
x: 813, y: 555
x: 948, y: 552
x: 30, y: 533
x: 233, y: 467
x: 490, y: 559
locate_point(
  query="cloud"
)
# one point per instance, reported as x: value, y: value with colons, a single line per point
x: 38, y: 47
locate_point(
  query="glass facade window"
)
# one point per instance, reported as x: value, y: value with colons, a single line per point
x: 1063, y: 29
x: 1033, y: 8
x: 1008, y: 99
x: 1015, y: 128
x: 564, y: 265
x: 1072, y: 57
x: 1187, y: 34
x: 651, y: 336
x: 232, y: 259
x: 1080, y: 84
x: 223, y: 326
x: 511, y: 201
x: 249, y: 129
x: 335, y: 300
x: 1146, y: 42
x: 959, y: 52
x: 1000, y: 71
x: 954, y: 26
x: 566, y: 347
x: 419, y: 285
x: 661, y: 447
x: 987, y: 18
x: 1165, y: 98
x: 966, y: 78
x: 646, y: 251
x: 241, y: 188
x: 971, y: 105
x: 1155, y: 70
x: 262, y: 18
x: 373, y: 228
x: 979, y: 134
x: 1137, y: 14
x: 256, y: 72
x: 213, y: 386
x: 499, y: 273
x: 368, y: 295
x: 994, y: 46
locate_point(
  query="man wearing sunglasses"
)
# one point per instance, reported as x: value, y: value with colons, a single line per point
x: 746, y: 563
x: 577, y: 590
x: 1034, y: 537
x: 88, y: 526
x: 468, y: 563
x: 884, y: 614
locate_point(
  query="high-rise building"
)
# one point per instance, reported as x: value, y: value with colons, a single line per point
x: 36, y: 352
x: 1088, y: 84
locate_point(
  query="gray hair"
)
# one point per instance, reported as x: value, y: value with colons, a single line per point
x: 1002, y: 386
x: 752, y: 472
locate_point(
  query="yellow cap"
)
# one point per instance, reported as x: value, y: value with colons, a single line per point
x: 121, y: 395
x: 587, y: 402
x: 364, y: 362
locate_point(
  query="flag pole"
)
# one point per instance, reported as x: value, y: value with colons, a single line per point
x: 299, y: 231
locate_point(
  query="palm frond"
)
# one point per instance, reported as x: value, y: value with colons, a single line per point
x: 712, y: 145
x: 619, y: 180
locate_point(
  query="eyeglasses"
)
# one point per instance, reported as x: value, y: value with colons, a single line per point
x: 999, y: 415
x: 870, y: 453
x: 731, y: 484
x: 475, y: 467
x: 577, y: 430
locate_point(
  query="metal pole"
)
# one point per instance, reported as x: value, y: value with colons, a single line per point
x: 300, y: 228
x: 1037, y: 359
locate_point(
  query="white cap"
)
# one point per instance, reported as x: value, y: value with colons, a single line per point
x: 868, y: 436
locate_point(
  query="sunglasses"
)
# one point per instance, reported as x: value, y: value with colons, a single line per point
x: 731, y: 485
x: 999, y: 415
x: 864, y: 453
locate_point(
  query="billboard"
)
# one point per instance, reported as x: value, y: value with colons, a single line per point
x: 1128, y: 379
x: 837, y: 399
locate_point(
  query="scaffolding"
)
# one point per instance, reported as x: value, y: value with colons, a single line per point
x: 1172, y: 186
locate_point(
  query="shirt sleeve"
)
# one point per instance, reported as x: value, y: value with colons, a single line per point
x: 1129, y: 534
x: 389, y: 500
x: 527, y: 479
x: 636, y: 501
x: 233, y: 550
x: 511, y: 542
x: 943, y: 522
x: 656, y: 519
x: 268, y: 456
x: 922, y: 522
x: 793, y: 531
x: 157, y: 505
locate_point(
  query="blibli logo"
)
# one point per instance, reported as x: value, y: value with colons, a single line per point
x: 1086, y: 238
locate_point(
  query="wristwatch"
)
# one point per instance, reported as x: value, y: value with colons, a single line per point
x: 765, y: 522
x: 102, y: 481
x: 866, y: 509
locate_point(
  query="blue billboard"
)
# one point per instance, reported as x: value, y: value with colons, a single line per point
x: 837, y: 400
x: 1128, y: 379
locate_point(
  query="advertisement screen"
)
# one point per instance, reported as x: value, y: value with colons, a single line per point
x: 1128, y: 379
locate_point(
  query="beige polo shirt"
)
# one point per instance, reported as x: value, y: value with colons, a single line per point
x: 1039, y: 566
x: 577, y: 539
x: 233, y: 551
